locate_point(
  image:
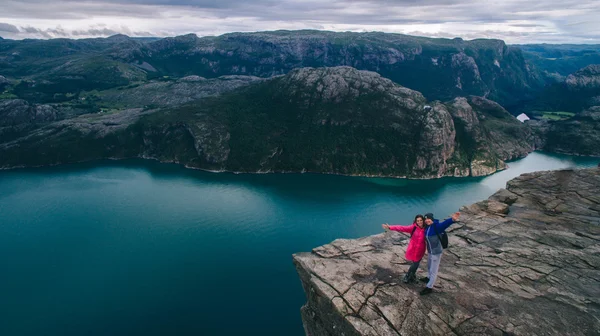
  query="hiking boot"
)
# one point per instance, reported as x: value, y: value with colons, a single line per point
x: 425, y: 279
x: 426, y: 291
x: 406, y: 278
x: 412, y: 278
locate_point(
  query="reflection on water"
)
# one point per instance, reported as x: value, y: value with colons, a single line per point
x: 138, y: 247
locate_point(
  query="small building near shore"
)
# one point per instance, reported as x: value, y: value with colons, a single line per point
x: 522, y: 117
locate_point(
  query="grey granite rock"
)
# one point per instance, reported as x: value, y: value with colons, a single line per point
x: 524, y: 262
x: 579, y: 135
x: 588, y: 77
x: 328, y: 120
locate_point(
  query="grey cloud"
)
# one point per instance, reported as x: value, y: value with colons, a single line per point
x: 99, y: 30
x: 527, y: 17
x: 526, y: 25
x: 94, y: 32
x: 47, y: 33
x: 371, y: 11
x: 5, y: 27
x: 31, y: 30
x: 69, y: 10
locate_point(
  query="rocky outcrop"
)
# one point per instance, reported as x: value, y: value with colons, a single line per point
x: 578, y: 92
x: 18, y: 111
x: 524, y: 262
x: 579, y: 135
x: 487, y: 135
x: 585, y: 78
x: 173, y: 93
x: 439, y: 68
x: 455, y: 66
x: 328, y: 120
x: 17, y: 117
x: 3, y: 82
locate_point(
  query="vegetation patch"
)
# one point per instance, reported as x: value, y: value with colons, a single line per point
x: 553, y: 115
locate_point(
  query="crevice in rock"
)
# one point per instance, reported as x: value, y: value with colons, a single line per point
x: 390, y: 324
x: 585, y: 198
x: 454, y: 331
x: 340, y: 295
x: 582, y: 234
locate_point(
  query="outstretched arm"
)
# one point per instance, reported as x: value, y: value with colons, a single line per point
x: 400, y: 228
x: 446, y: 223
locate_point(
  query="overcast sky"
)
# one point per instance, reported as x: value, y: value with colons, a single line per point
x: 515, y: 21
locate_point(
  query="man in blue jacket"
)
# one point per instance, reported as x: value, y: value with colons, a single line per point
x: 433, y: 234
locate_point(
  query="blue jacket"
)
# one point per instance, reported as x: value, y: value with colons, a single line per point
x: 434, y: 246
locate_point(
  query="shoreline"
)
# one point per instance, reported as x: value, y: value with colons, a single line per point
x: 304, y: 171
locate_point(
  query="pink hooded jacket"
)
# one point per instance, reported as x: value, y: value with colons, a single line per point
x: 416, y: 246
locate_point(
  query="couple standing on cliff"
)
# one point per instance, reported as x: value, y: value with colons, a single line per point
x: 428, y: 234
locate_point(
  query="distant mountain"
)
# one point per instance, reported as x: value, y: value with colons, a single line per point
x: 575, y: 93
x: 557, y: 61
x: 280, y: 101
x: 328, y: 120
x: 54, y: 70
x: 579, y: 135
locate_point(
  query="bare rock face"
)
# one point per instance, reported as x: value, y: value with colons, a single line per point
x: 3, y: 82
x: 338, y: 83
x: 327, y: 120
x: 18, y: 111
x: 487, y: 135
x: 586, y: 78
x: 579, y: 135
x: 524, y: 262
x: 210, y: 140
x: 183, y: 91
x: 18, y: 117
x: 436, y: 144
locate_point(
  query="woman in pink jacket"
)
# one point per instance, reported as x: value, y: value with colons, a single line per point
x: 416, y: 246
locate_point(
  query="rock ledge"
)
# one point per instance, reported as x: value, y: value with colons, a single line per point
x: 524, y: 262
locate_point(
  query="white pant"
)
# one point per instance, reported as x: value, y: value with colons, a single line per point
x: 433, y: 264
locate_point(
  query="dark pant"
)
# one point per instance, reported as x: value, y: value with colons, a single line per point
x: 413, y: 268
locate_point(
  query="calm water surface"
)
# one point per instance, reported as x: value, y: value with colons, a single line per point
x: 141, y: 248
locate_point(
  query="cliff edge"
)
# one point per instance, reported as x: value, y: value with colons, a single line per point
x: 524, y: 262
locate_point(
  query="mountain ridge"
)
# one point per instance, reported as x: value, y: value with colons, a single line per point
x: 331, y: 120
x: 458, y: 67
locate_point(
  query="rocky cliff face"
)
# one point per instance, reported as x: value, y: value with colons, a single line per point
x: 455, y: 66
x: 524, y: 262
x: 17, y: 117
x: 3, y: 82
x: 579, y: 135
x: 488, y: 135
x: 439, y: 68
x: 328, y: 120
x: 585, y: 78
x: 578, y: 92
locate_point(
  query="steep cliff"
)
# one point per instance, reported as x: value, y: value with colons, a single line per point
x: 329, y: 120
x: 577, y: 92
x: 439, y: 68
x: 457, y: 67
x: 579, y: 135
x: 585, y: 78
x: 524, y: 262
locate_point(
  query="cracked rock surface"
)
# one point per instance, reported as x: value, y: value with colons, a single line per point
x: 524, y: 262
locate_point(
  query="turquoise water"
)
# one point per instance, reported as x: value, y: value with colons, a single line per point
x: 142, y: 248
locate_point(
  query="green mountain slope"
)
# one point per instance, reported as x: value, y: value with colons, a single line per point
x: 439, y: 68
x: 329, y: 120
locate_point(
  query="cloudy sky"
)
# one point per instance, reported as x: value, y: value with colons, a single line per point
x: 515, y: 21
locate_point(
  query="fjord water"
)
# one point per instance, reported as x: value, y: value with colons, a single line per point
x: 142, y: 248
